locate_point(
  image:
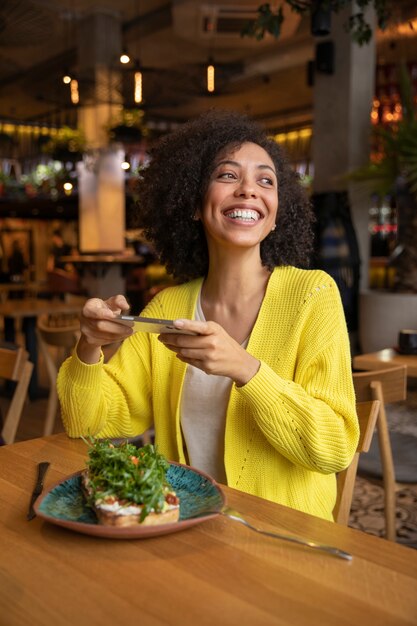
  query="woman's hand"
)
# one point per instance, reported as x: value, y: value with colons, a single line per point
x: 99, y: 328
x: 212, y: 350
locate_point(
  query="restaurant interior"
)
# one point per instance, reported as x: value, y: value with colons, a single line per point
x: 86, y: 89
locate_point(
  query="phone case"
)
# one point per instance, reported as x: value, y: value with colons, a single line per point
x: 152, y: 325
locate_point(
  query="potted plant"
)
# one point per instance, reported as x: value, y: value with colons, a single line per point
x: 392, y: 170
x: 4, y: 181
x: 47, y: 179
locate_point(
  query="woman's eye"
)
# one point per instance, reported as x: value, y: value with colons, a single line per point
x: 226, y: 175
x: 267, y: 181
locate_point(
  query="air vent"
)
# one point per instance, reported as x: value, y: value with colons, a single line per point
x: 221, y: 24
x: 225, y: 20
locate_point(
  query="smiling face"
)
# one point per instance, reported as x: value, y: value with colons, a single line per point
x: 241, y: 202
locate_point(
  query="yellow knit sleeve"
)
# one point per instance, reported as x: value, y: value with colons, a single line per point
x: 108, y: 400
x: 310, y: 417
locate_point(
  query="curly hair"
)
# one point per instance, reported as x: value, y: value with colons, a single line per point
x: 174, y: 185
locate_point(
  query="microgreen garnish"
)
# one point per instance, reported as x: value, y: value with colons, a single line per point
x: 130, y: 474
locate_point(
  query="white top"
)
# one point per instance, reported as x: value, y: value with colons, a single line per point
x: 203, y: 416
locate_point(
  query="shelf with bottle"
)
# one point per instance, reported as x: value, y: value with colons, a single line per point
x: 383, y: 241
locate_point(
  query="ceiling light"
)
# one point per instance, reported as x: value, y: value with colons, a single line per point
x: 75, y: 96
x: 66, y: 77
x: 124, y: 57
x: 210, y: 76
x: 138, y: 87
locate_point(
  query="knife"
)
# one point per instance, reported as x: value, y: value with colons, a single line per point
x: 42, y: 467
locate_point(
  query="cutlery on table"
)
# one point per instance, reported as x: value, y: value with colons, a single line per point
x: 227, y: 511
x: 42, y: 468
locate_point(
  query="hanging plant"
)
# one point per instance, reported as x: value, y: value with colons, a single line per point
x: 68, y: 144
x: 128, y: 127
x: 270, y: 21
x: 43, y: 141
x: 125, y: 134
x: 6, y: 144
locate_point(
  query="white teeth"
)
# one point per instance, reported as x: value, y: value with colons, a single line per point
x: 244, y: 214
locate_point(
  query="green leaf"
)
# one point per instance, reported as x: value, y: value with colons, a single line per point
x: 269, y: 22
x: 135, y: 475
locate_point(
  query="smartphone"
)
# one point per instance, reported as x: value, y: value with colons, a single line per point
x: 152, y: 325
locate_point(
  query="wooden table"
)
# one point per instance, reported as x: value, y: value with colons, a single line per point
x: 32, y: 307
x: 216, y: 573
x: 31, y: 288
x: 29, y: 309
x: 386, y: 357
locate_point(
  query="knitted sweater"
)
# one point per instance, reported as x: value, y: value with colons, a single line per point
x: 288, y: 430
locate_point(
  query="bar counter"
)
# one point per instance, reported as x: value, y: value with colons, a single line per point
x: 102, y: 274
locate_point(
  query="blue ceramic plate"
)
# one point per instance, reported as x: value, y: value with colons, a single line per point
x: 64, y: 505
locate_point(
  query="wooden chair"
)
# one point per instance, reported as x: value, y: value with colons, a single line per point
x: 62, y: 334
x: 62, y: 282
x: 367, y: 415
x: 387, y: 385
x: 15, y: 366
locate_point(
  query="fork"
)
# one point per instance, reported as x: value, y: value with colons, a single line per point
x: 232, y: 514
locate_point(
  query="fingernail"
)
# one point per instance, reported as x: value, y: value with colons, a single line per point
x: 179, y: 323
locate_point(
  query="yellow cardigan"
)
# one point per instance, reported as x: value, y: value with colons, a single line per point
x: 288, y: 430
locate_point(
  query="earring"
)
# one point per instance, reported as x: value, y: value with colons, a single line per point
x: 274, y: 227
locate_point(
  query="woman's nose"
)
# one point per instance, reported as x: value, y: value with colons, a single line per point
x: 246, y: 188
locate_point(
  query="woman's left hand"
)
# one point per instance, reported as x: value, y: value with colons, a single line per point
x: 212, y: 350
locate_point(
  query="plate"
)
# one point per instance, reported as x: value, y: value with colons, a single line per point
x: 200, y: 497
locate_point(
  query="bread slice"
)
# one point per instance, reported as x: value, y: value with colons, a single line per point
x: 110, y: 518
x: 113, y: 513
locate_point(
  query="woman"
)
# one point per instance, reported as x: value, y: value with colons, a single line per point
x: 262, y: 396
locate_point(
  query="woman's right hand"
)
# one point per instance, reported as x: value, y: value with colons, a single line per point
x: 99, y: 328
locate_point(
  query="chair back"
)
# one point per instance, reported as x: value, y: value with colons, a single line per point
x: 61, y: 282
x: 388, y: 384
x: 15, y: 366
x: 61, y: 333
x: 367, y: 413
x: 393, y: 381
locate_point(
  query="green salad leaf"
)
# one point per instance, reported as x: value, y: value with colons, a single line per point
x: 132, y: 475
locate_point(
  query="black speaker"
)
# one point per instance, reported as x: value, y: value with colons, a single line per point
x: 321, y: 21
x: 325, y: 57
